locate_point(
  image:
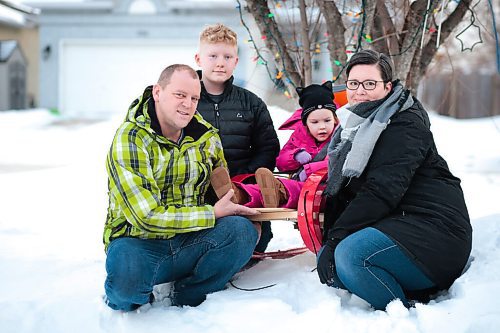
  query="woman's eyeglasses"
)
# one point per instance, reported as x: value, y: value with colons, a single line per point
x: 367, y: 84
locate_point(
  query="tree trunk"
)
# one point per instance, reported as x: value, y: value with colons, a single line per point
x: 306, y: 44
x: 420, y: 63
x: 275, y: 43
x: 411, y: 38
x: 368, y: 18
x: 413, y: 76
x: 384, y: 34
x: 446, y: 29
x: 335, y: 36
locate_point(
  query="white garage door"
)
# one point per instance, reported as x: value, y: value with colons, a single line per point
x: 101, y: 79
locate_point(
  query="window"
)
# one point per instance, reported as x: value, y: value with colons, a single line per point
x: 316, y: 65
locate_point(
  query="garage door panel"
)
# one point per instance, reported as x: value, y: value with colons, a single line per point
x: 101, y: 79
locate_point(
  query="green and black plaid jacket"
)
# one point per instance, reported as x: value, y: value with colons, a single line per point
x: 156, y: 186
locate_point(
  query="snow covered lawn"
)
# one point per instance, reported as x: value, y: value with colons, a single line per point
x: 52, y: 210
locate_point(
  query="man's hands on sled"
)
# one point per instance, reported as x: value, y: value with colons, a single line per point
x: 225, y: 207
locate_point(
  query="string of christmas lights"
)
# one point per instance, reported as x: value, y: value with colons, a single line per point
x: 358, y: 18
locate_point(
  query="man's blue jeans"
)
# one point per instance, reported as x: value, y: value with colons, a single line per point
x: 198, y: 262
x: 372, y: 266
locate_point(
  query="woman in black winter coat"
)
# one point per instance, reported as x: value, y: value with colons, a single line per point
x: 396, y: 223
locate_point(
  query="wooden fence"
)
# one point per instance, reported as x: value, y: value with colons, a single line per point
x: 462, y: 95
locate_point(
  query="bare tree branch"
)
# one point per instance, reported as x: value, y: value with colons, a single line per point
x: 274, y: 42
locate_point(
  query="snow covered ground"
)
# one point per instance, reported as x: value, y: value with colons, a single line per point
x: 53, y: 206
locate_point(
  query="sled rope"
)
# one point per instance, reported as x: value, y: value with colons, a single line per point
x: 251, y: 289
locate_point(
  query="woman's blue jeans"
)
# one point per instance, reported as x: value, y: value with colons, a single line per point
x: 372, y: 266
x: 198, y: 263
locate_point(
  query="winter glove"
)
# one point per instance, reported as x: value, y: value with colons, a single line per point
x: 302, y: 176
x: 326, y: 261
x: 302, y: 157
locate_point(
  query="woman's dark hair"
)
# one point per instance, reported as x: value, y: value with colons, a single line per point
x: 370, y: 57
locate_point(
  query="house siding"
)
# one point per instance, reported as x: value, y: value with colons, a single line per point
x: 181, y: 27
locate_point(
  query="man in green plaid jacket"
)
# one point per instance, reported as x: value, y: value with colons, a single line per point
x: 158, y: 227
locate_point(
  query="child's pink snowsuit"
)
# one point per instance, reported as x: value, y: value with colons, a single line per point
x: 285, y: 162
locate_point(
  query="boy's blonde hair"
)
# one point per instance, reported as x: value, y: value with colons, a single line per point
x: 218, y: 33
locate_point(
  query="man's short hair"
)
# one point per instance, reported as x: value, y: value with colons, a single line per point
x: 167, y: 73
x: 218, y: 33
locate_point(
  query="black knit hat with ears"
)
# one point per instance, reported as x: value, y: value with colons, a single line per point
x: 314, y: 97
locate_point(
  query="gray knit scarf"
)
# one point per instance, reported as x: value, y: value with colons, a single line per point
x: 352, y: 143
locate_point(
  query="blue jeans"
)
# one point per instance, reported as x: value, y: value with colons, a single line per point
x: 372, y: 266
x: 198, y: 263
